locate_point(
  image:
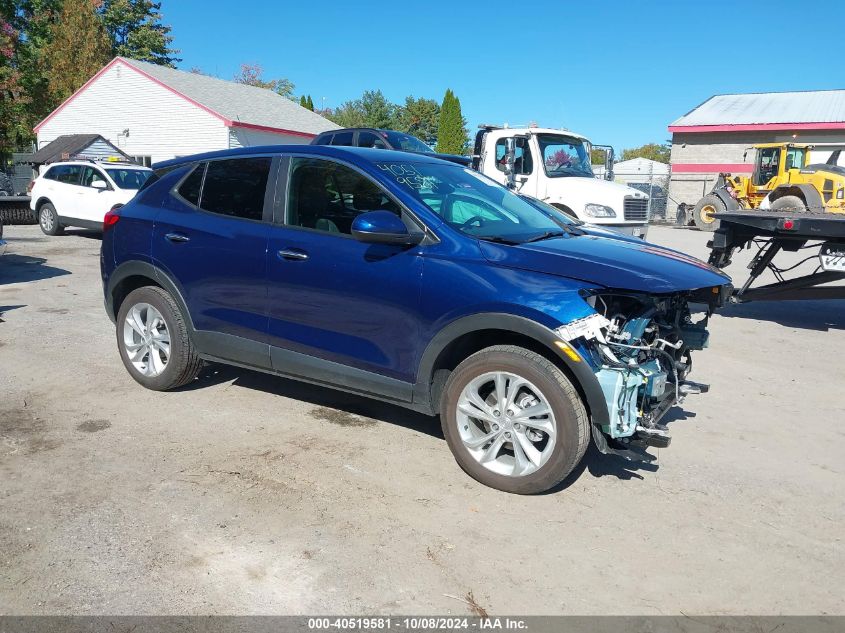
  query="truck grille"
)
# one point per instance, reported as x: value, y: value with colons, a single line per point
x: 636, y: 209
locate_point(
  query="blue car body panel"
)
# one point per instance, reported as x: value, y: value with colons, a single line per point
x: 375, y: 309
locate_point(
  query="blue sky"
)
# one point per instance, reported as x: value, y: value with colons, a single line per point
x: 618, y: 72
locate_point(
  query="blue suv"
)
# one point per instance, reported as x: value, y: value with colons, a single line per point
x: 415, y: 281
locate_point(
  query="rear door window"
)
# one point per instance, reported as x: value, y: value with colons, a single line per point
x: 342, y: 138
x: 325, y: 139
x: 68, y: 174
x: 236, y: 187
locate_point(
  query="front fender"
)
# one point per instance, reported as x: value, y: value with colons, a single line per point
x: 581, y: 372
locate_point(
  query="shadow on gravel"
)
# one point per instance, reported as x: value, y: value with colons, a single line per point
x: 22, y: 268
x: 332, y: 404
x: 88, y: 233
x: 808, y: 315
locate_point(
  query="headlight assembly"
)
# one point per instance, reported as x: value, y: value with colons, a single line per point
x: 599, y: 211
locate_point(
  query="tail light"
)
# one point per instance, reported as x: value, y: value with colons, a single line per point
x: 29, y: 187
x: 111, y: 218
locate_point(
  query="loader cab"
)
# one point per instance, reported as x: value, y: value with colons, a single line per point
x: 775, y: 161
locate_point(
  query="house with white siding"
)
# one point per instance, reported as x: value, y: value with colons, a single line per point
x: 154, y: 113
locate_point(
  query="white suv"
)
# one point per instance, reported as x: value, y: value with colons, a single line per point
x: 81, y: 192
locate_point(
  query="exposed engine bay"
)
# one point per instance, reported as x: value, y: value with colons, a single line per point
x: 640, y: 346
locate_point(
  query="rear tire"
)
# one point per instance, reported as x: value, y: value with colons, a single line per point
x: 702, y: 214
x: 502, y: 444
x: 153, y: 340
x: 789, y: 204
x: 48, y: 220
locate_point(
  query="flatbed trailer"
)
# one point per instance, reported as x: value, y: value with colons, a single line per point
x: 773, y: 232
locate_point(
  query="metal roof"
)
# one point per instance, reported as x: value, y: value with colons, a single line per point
x: 821, y: 106
x: 237, y: 103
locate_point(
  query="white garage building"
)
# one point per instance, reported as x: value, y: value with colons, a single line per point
x: 155, y: 113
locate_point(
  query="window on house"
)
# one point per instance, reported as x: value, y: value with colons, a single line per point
x: 146, y: 161
x: 236, y: 187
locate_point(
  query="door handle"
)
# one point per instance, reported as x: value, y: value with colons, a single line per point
x: 292, y: 253
x: 177, y: 237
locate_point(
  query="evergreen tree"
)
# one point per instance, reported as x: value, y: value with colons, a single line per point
x: 303, y: 101
x: 452, y: 135
x: 79, y: 48
x: 419, y: 117
x: 310, y: 103
x: 136, y: 31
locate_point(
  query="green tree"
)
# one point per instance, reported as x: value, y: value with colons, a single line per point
x: 136, y: 31
x: 420, y: 117
x: 79, y: 47
x: 13, y: 98
x: 252, y: 75
x: 598, y: 156
x: 652, y: 151
x: 310, y: 103
x: 303, y: 101
x: 378, y: 111
x: 452, y: 135
x: 348, y: 114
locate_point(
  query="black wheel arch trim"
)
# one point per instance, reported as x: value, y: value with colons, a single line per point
x: 144, y: 269
x: 730, y: 202
x: 583, y: 374
x: 811, y: 196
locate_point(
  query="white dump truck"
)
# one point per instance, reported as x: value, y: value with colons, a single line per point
x: 554, y: 166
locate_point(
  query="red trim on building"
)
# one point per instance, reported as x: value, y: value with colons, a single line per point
x: 264, y: 128
x: 757, y: 127
x: 712, y: 168
x: 128, y: 64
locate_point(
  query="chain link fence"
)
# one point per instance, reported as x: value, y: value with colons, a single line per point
x: 652, y: 180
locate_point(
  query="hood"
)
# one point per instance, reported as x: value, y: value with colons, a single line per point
x: 613, y: 263
x: 576, y: 191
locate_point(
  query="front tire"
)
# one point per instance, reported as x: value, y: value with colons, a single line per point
x: 788, y: 204
x: 513, y: 420
x: 702, y: 215
x: 48, y: 220
x: 153, y: 340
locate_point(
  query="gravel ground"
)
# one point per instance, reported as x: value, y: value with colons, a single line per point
x: 246, y: 493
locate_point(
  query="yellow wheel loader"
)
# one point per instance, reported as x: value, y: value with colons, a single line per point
x: 782, y: 180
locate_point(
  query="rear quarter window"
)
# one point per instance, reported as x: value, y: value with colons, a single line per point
x: 191, y: 186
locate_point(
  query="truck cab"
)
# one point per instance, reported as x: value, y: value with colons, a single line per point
x: 554, y: 166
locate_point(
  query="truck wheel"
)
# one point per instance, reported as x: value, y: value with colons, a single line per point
x: 702, y: 215
x: 48, y: 220
x: 789, y: 204
x: 153, y: 340
x: 513, y: 420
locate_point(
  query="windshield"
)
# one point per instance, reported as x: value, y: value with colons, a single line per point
x: 565, y: 156
x: 406, y: 142
x: 129, y: 178
x: 471, y: 203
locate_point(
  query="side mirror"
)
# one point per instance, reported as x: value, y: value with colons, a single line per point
x: 99, y: 184
x: 383, y: 227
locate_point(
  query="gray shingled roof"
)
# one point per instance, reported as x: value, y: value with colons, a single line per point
x: 238, y: 102
x: 822, y: 106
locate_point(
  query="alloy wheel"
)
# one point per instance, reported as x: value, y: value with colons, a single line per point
x: 47, y: 221
x: 146, y: 339
x: 506, y: 424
